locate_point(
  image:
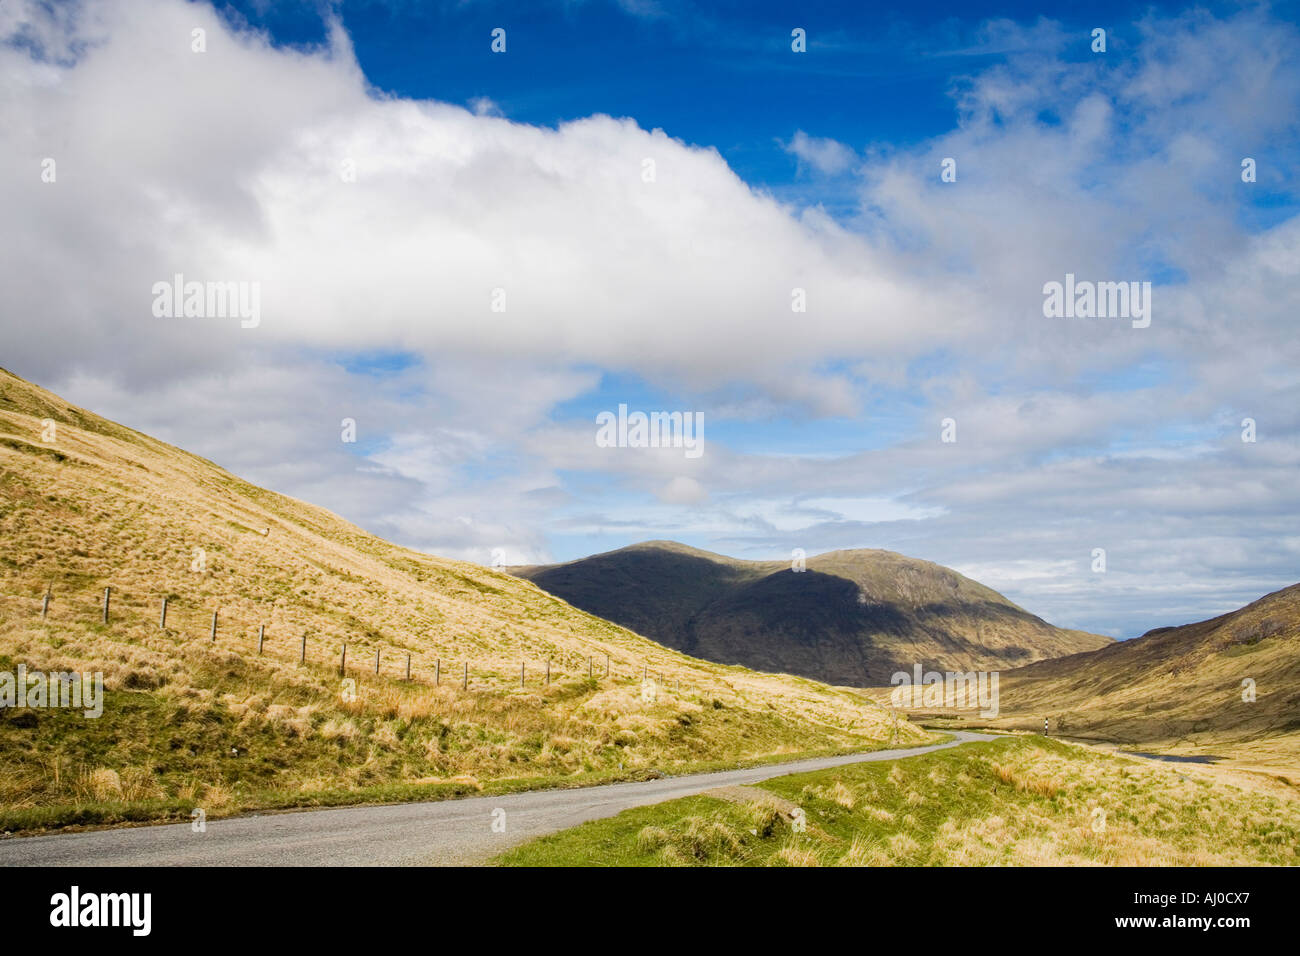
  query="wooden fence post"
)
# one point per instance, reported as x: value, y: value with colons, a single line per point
x: 521, y: 673
x: 261, y: 636
x: 408, y: 666
x: 45, y: 605
x: 162, y: 615
x: 437, y: 672
x: 376, y: 660
x: 107, y: 592
x: 548, y: 672
x: 214, y: 625
x: 465, y: 686
x: 302, y: 656
x: 343, y: 661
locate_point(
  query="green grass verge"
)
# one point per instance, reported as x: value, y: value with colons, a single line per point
x: 1016, y: 801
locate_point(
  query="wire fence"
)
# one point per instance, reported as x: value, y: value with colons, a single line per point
x: 184, y: 621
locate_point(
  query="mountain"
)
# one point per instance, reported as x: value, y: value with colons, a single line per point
x: 1178, y: 688
x: 852, y: 618
x: 187, y: 721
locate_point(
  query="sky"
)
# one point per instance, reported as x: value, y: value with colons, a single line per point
x: 835, y: 258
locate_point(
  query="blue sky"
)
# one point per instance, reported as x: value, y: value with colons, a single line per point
x: 775, y: 171
x: 718, y: 75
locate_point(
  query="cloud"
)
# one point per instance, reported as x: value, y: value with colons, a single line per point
x: 484, y: 106
x: 826, y: 156
x: 233, y: 164
x: 683, y: 491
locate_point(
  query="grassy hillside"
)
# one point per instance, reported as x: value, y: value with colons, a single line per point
x: 1179, y: 689
x: 195, y: 722
x: 852, y: 618
x: 1017, y: 801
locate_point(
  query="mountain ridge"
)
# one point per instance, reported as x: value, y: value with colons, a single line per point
x: 852, y: 617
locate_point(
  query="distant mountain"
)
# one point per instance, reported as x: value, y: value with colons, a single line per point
x: 852, y: 618
x: 1178, y: 687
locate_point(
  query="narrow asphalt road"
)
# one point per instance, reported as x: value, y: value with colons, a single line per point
x: 441, y: 833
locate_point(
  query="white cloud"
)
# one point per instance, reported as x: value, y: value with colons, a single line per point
x: 229, y: 165
x: 826, y: 156
x: 683, y: 491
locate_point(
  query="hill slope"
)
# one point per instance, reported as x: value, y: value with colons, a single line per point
x: 852, y: 618
x: 192, y: 721
x: 1179, y: 688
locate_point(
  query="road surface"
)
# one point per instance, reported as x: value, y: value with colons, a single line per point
x: 440, y: 833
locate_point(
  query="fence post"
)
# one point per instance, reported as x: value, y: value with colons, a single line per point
x: 107, y: 592
x: 607, y: 665
x: 261, y: 636
x: 408, y: 666
x: 521, y: 673
x: 162, y: 615
x: 302, y: 657
x: 376, y: 660
x: 45, y: 605
x: 465, y: 686
x: 548, y: 672
x: 214, y: 625
x: 437, y: 672
x: 343, y: 661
